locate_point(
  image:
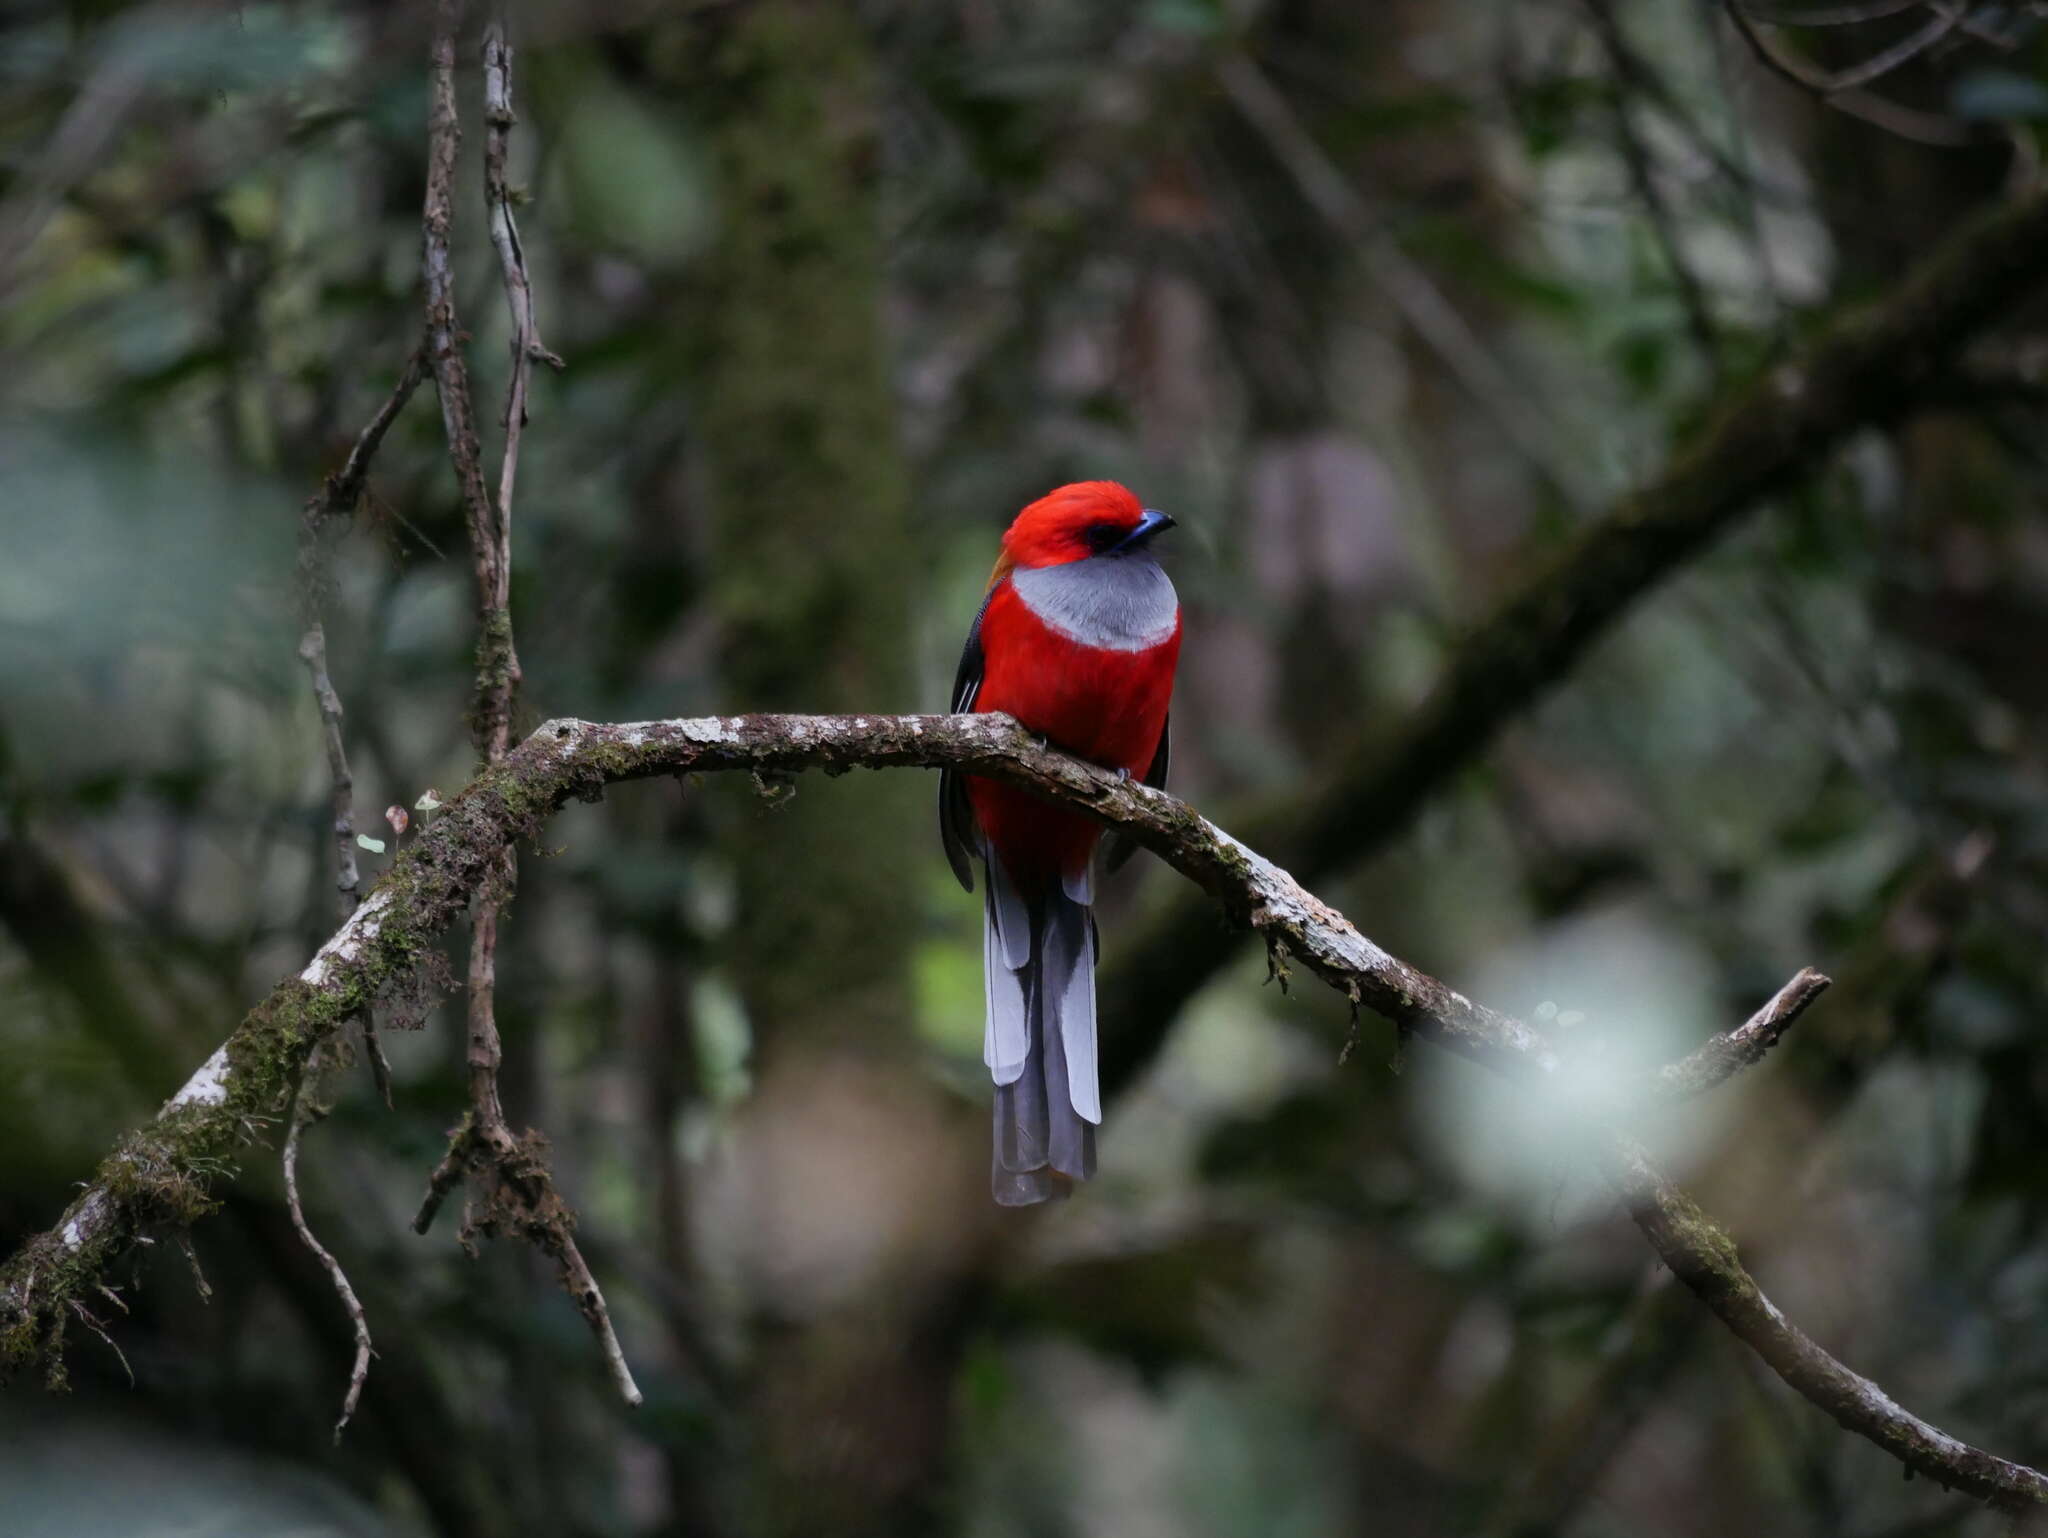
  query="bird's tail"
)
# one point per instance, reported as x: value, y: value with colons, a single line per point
x: 1038, y: 959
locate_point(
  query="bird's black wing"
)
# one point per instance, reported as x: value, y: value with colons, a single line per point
x: 1120, y: 848
x: 956, y: 813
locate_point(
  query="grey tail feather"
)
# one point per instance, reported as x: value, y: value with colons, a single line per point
x: 1043, y: 1142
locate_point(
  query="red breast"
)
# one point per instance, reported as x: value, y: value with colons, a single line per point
x: 1079, y: 641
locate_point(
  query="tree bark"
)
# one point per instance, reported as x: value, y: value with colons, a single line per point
x: 162, y: 1173
x: 811, y: 575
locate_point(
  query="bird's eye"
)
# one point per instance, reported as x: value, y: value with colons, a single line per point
x: 1104, y: 536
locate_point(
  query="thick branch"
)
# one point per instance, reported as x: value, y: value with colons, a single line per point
x: 162, y: 1171
x: 1868, y: 368
x: 1700, y: 1254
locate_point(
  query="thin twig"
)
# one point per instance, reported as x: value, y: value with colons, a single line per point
x: 313, y: 652
x: 347, y: 878
x: 499, y: 119
x: 1739, y: 167
x: 1906, y: 122
x: 336, y: 499
x: 568, y: 759
x: 86, y: 1317
x: 1899, y: 54
x: 1868, y: 367
x: 1413, y: 292
x: 1642, y: 173
x: 307, y: 1110
x: 511, y: 1185
x: 199, y: 1282
x: 446, y: 1177
x: 497, y: 660
x: 340, y: 492
x: 1717, y: 1060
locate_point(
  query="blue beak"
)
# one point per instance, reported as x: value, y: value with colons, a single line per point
x: 1153, y: 522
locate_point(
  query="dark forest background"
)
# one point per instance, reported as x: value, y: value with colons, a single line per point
x: 1389, y: 304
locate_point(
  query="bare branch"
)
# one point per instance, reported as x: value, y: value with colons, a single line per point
x: 1718, y: 1060
x: 340, y: 492
x: 1871, y: 366
x: 306, y: 1110
x: 1701, y: 1254
x: 429, y: 884
x: 1413, y: 292
x: 511, y: 1185
x: 1903, y: 52
x: 336, y: 499
x: 446, y: 1177
x: 497, y: 679
x: 1844, y: 90
x: 527, y: 350
x: 1642, y: 174
x: 313, y: 652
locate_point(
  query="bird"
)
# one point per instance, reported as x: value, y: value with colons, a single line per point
x: 1077, y: 637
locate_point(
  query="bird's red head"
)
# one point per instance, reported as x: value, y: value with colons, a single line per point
x: 1084, y: 519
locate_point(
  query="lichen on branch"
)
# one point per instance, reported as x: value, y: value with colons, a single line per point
x: 165, y: 1172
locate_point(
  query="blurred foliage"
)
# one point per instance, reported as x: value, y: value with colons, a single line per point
x: 840, y: 287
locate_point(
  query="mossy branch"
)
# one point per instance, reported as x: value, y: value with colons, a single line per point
x: 1867, y: 367
x: 1702, y: 1255
x: 163, y: 1173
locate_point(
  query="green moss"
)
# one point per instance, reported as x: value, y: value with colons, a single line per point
x: 18, y: 1341
x: 1229, y: 856
x: 1702, y: 1237
x: 605, y: 763
x: 494, y: 663
x: 162, y: 1174
x: 265, y: 1052
x: 807, y: 499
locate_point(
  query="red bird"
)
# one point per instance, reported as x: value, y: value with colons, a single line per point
x: 1077, y: 638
